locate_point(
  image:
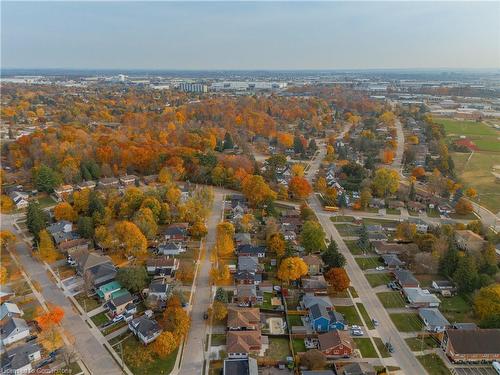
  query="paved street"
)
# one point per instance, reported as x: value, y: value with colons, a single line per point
x: 91, y: 350
x: 194, y: 349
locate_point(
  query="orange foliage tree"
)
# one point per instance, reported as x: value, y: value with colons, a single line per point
x: 338, y: 279
x: 299, y: 187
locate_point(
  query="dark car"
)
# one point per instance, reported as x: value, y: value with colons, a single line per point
x: 205, y: 315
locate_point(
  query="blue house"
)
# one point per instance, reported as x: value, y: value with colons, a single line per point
x: 324, y: 320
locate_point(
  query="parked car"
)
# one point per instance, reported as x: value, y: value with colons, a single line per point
x: 389, y: 347
x: 118, y: 318
x: 357, y: 332
x: 205, y: 315
x: 355, y: 327
x: 380, y: 268
x: 375, y: 322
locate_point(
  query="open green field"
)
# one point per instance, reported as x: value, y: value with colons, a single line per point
x: 407, y: 322
x: 468, y: 128
x: 366, y: 348
x: 391, y: 299
x: 377, y: 279
x: 417, y: 344
x: 457, y: 309
x: 350, y: 314
x: 369, y: 262
x: 433, y: 364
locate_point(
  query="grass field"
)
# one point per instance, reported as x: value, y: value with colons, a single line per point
x: 467, y: 128
x: 218, y: 339
x: 369, y: 263
x: 295, y: 320
x: 381, y: 347
x: 364, y: 314
x: 433, y: 364
x: 347, y: 230
x: 100, y: 319
x: 406, y: 322
x: 416, y: 344
x: 366, y: 348
x: 354, y: 248
x: 350, y: 314
x: 391, y: 299
x: 376, y: 279
x: 278, y: 348
x: 298, y: 345
x: 342, y: 219
x: 457, y: 309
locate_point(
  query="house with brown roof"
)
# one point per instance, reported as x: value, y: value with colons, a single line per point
x: 243, y: 318
x: 383, y: 247
x: 63, y: 191
x: 469, y: 241
x: 74, y: 245
x: 336, y: 343
x: 476, y: 345
x: 314, y: 264
x: 239, y: 344
x: 97, y: 269
x: 162, y: 266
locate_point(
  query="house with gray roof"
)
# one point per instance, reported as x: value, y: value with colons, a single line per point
x: 146, y: 329
x: 418, y: 297
x: 248, y: 263
x: 324, y: 320
x: 8, y: 309
x: 433, y: 320
x: 309, y: 299
x: 392, y: 261
x: 13, y: 330
x: 406, y: 279
x: 19, y: 360
x: 240, y: 366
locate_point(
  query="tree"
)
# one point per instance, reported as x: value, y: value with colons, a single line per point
x: 220, y: 272
x: 321, y: 185
x: 297, y: 170
x: 198, y: 229
x: 313, y: 360
x: 6, y: 238
x: 463, y: 207
x: 46, y: 179
x: 86, y: 227
x: 332, y: 257
x: 418, y: 172
x: 64, y: 211
x: 276, y: 244
x: 385, y: 182
x: 487, y: 302
x: 412, y: 195
x: 465, y: 275
x: 406, y: 231
x: 46, y: 249
x: 312, y: 236
x: 298, y: 146
x: 247, y: 222
x: 224, y: 242
x: 228, y: 141
x: 54, y: 316
x: 299, y: 187
x: 154, y: 205
x: 134, y: 279
x: 338, y: 279
x: 221, y: 295
x: 219, y: 310
x: 6, y: 204
x: 471, y: 193
x: 449, y: 261
x: 175, y: 318
x: 145, y: 221
x: 164, y: 344
x: 36, y: 219
x: 256, y: 190
x: 387, y: 156
x: 4, y: 275
x: 164, y: 176
x: 365, y: 197
x: 292, y: 268
x: 363, y: 240
x: 130, y: 238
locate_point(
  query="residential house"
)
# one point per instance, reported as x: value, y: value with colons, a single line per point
x: 96, y: 269
x: 240, y: 366
x: 469, y: 241
x: 13, y: 330
x: 377, y: 236
x: 433, y: 320
x: 128, y: 180
x: 421, y: 226
x: 336, y: 343
x: 121, y: 302
x: 63, y: 192
x: 374, y: 228
x: 315, y: 284
x: 170, y: 248
x: 108, y: 183
x: 359, y: 368
x: 242, y: 238
x: 86, y: 185
x: 247, y: 263
x: 246, y: 295
x: 445, y: 209
x: 250, y: 250
x: 395, y: 204
x: 406, y: 279
x: 309, y: 300
x: 162, y: 266
x: 243, y: 318
x: 10, y: 310
x: 146, y: 329
x: 392, y: 261
x: 418, y: 297
x: 150, y: 179
x: 19, y: 359
x: 106, y: 291
x: 415, y: 206
x: 383, y: 247
x: 376, y: 203
x: 323, y: 320
x: 289, y: 235
x: 314, y: 264
x: 70, y: 246
x: 62, y: 231
x: 444, y: 287
x: 478, y: 345
x: 20, y: 199
x: 159, y: 289
x: 247, y: 277
x: 465, y: 326
x: 176, y: 232
x: 239, y: 344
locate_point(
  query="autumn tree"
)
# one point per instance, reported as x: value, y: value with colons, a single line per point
x: 276, y: 244
x: 6, y: 238
x: 463, y: 207
x: 64, y: 211
x: 198, y: 229
x: 134, y: 279
x: 6, y: 204
x: 321, y: 185
x: 365, y: 197
x: 54, y: 316
x: 406, y: 231
x: 297, y: 170
x: 175, y: 319
x: 130, y: 238
x: 164, y: 344
x: 312, y: 236
x: 256, y: 190
x: 219, y: 310
x: 224, y: 241
x: 4, y: 275
x: 487, y: 302
x: 292, y: 268
x: 313, y: 360
x: 471, y: 193
x: 387, y: 156
x: 299, y: 187
x: 385, y: 182
x: 46, y: 248
x: 418, y: 172
x: 247, y: 222
x: 338, y: 279
x: 145, y: 221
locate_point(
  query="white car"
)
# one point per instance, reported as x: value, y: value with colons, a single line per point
x: 357, y: 332
x: 380, y: 268
x: 355, y: 327
x: 117, y: 318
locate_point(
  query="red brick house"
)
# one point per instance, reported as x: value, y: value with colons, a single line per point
x: 476, y: 345
x: 336, y: 343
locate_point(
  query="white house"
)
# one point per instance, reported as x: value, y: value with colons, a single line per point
x: 13, y: 330
x: 20, y: 199
x: 433, y: 320
x: 146, y: 329
x: 8, y: 309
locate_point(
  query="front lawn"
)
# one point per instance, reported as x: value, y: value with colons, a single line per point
x: 417, y: 344
x: 298, y: 345
x: 218, y: 339
x: 46, y: 202
x: 393, y: 211
x: 377, y: 279
x: 278, y: 348
x: 350, y: 314
x: 87, y: 303
x: 433, y: 364
x: 365, y: 346
x: 364, y: 314
x: 347, y: 230
x: 391, y: 299
x: 114, y: 327
x: 381, y: 347
x: 100, y: 319
x: 407, y: 322
x: 383, y: 222
x: 354, y: 247
x: 342, y: 219
x: 369, y: 263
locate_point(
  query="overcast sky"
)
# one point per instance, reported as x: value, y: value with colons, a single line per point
x: 224, y: 35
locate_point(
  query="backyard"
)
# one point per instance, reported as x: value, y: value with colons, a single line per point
x: 278, y: 348
x: 298, y: 345
x: 457, y: 309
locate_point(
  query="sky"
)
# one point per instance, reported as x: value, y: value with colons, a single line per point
x: 250, y: 35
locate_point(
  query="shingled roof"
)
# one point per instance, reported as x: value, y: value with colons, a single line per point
x: 478, y: 341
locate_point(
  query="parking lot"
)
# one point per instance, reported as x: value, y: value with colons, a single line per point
x: 479, y: 370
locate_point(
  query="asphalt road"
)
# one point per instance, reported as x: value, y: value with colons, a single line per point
x: 91, y: 350
x: 193, y: 356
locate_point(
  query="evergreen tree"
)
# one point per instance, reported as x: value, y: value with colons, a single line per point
x: 86, y: 173
x: 86, y: 227
x: 228, y: 142
x: 363, y: 241
x: 298, y: 147
x: 221, y: 295
x: 46, y: 179
x: 465, y: 275
x: 312, y: 145
x: 332, y: 257
x: 448, y: 262
x: 95, y: 204
x: 342, y: 200
x: 36, y: 219
x: 413, y: 193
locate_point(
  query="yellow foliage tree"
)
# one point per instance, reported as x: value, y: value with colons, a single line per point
x: 276, y: 243
x: 131, y: 239
x: 298, y: 170
x: 46, y: 248
x: 292, y: 268
x: 64, y: 211
x: 6, y: 204
x: 164, y: 344
x: 224, y: 242
x: 256, y: 190
x: 219, y: 310
x: 3, y: 275
x: 487, y: 301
